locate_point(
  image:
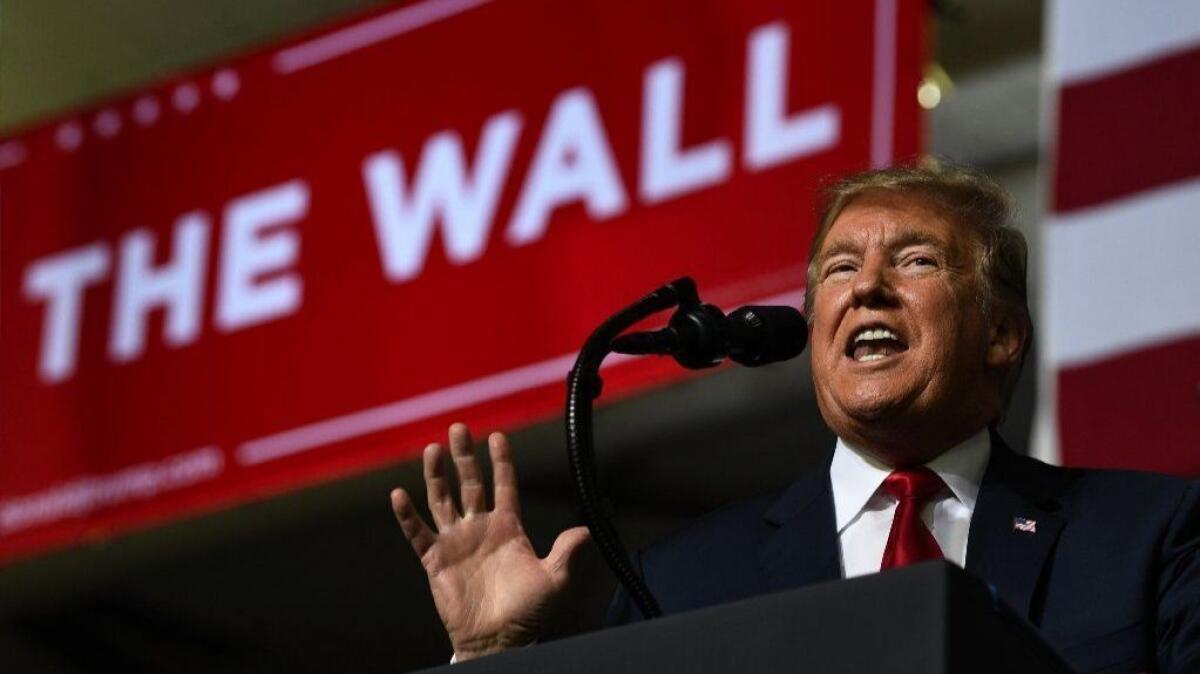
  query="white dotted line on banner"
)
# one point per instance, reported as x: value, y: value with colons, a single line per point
x: 145, y: 111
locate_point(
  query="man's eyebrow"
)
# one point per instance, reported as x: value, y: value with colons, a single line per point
x: 915, y: 238
x: 838, y: 248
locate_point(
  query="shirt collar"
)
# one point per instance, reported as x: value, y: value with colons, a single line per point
x: 856, y: 475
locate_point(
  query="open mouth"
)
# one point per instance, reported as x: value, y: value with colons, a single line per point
x: 874, y: 343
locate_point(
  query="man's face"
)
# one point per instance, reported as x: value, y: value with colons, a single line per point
x: 898, y: 339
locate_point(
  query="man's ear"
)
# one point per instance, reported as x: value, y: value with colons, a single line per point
x: 1006, y: 342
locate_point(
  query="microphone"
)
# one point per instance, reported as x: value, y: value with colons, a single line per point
x: 700, y: 336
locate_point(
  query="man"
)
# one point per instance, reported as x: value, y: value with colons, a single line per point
x: 918, y: 327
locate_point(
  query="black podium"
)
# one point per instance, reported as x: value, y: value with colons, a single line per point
x: 930, y: 618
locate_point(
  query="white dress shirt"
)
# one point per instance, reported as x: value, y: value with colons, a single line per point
x: 864, y: 512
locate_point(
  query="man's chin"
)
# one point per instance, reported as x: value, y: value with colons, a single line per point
x: 874, y: 410
x: 868, y: 418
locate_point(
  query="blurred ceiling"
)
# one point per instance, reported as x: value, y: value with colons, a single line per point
x: 56, y: 55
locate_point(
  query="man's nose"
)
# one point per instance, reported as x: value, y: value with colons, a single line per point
x: 873, y: 284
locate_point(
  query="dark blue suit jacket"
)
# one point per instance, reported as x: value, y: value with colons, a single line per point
x: 1111, y: 576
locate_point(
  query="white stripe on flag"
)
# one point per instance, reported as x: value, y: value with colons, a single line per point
x: 1091, y: 37
x: 1122, y: 276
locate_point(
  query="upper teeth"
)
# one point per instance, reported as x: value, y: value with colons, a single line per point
x: 877, y: 333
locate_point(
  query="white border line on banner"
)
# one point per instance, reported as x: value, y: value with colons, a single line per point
x: 367, y: 33
x: 883, y: 90
x: 405, y: 411
x: 408, y: 410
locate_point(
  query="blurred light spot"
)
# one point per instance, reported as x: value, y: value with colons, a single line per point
x: 225, y: 84
x: 146, y: 110
x: 934, y: 87
x: 69, y: 136
x: 11, y: 154
x: 107, y: 123
x: 186, y: 97
x: 929, y: 94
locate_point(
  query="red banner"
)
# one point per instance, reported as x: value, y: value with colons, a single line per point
x: 303, y: 263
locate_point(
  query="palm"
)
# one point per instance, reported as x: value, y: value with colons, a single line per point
x: 487, y: 576
x: 490, y: 588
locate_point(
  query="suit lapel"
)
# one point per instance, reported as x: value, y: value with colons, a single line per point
x: 1014, y: 527
x: 802, y: 549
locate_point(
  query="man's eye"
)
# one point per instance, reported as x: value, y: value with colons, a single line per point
x: 838, y: 268
x: 922, y: 261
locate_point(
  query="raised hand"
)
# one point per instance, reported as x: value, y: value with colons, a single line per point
x: 490, y: 588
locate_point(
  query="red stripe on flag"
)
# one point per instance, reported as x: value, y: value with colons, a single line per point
x: 1130, y: 131
x: 1140, y: 410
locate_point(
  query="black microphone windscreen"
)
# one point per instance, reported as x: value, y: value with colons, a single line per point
x: 766, y: 334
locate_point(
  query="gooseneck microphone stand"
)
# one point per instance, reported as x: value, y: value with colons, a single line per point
x: 583, y: 386
x: 697, y: 336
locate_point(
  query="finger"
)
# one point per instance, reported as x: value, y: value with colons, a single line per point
x: 504, y: 474
x: 470, y: 478
x: 565, y: 547
x: 415, y: 530
x: 437, y: 487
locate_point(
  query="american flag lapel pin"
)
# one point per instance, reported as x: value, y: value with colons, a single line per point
x: 1025, y: 525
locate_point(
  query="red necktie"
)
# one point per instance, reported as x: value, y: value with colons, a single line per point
x: 910, y: 540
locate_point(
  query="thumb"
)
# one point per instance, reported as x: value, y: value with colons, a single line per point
x: 565, y: 546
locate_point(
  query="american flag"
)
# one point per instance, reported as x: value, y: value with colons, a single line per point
x: 1121, y: 323
x: 1025, y: 524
